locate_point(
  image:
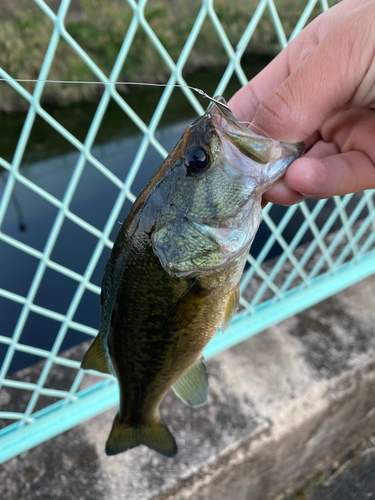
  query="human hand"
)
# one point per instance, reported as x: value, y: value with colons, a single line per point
x: 321, y: 90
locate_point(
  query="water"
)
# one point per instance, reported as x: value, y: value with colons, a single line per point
x: 93, y: 202
x: 49, y: 161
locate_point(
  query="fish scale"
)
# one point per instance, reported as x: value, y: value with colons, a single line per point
x: 173, y: 274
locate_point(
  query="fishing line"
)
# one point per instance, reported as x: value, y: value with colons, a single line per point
x: 198, y: 91
x: 146, y: 84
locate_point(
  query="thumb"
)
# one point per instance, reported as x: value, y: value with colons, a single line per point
x: 323, y: 83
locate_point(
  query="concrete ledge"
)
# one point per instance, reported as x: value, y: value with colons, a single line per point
x: 284, y: 404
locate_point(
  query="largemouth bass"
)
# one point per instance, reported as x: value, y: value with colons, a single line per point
x: 173, y: 275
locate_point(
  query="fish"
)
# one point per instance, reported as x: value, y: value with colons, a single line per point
x: 172, y: 278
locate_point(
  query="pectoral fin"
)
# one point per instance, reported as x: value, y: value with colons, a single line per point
x: 192, y: 387
x: 186, y: 308
x: 231, y: 309
x: 95, y: 358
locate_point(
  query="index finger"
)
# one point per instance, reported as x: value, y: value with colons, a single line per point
x: 246, y: 101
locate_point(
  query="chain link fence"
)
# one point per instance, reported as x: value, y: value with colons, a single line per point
x: 324, y: 246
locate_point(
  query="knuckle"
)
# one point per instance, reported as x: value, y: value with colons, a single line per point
x: 276, y: 112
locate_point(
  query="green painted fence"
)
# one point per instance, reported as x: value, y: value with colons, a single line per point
x: 271, y: 290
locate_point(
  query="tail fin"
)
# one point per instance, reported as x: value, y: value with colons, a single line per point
x: 156, y: 436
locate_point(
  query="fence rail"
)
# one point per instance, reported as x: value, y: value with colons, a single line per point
x: 340, y: 252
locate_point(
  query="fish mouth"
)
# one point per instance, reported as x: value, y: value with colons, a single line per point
x: 257, y: 147
x: 223, y: 118
x: 221, y: 115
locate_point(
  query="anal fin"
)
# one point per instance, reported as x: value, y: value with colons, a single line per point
x: 231, y: 309
x: 95, y: 358
x: 192, y: 387
x: 156, y: 436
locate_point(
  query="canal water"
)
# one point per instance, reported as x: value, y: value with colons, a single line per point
x: 49, y: 161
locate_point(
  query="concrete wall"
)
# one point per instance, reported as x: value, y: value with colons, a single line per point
x: 283, y: 405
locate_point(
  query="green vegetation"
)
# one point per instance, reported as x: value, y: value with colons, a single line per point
x: 306, y: 492
x: 100, y: 31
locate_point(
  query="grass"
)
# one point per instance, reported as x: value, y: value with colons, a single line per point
x: 100, y: 31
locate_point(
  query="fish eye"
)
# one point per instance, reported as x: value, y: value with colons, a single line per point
x: 197, y: 160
